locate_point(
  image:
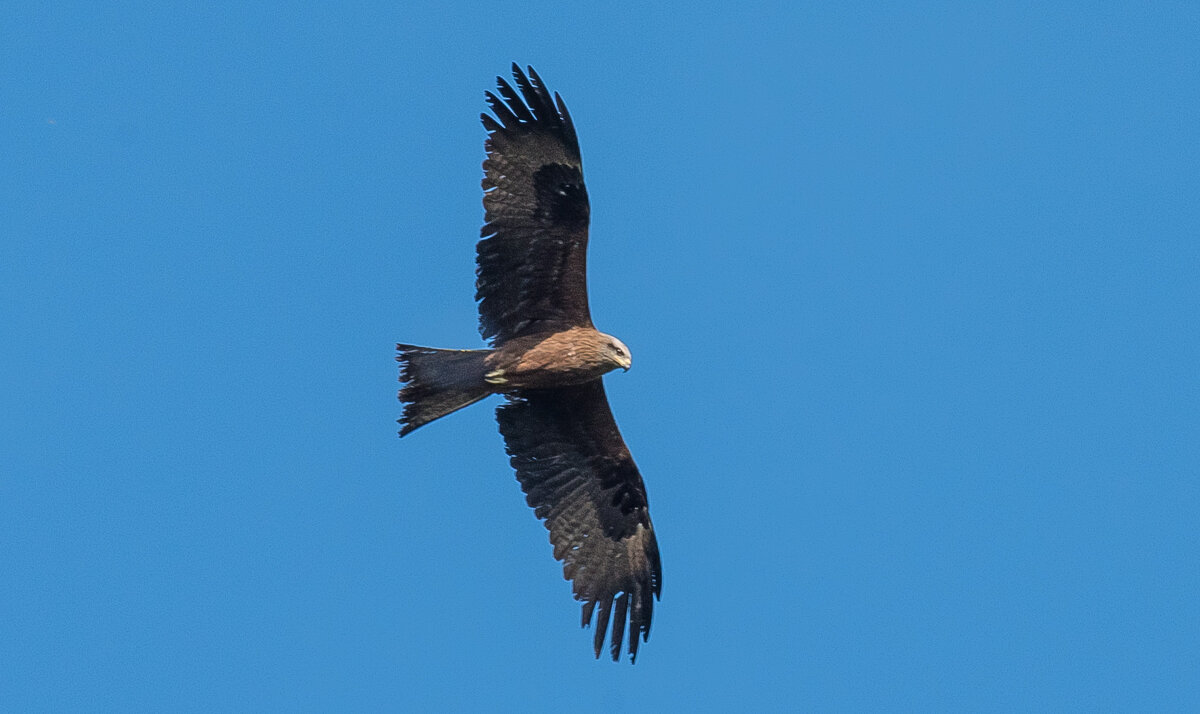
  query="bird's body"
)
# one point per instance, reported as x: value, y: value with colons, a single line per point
x: 547, y: 359
x: 557, y: 359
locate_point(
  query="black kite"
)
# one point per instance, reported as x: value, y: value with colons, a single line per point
x: 547, y: 360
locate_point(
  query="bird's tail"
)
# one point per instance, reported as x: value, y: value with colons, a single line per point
x: 437, y: 382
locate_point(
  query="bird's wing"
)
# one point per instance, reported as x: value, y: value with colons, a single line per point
x: 531, y: 265
x: 578, y: 476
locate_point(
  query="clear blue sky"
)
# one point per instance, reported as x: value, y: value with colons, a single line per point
x: 912, y: 297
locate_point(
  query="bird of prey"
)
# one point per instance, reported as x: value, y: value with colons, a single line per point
x: 547, y: 360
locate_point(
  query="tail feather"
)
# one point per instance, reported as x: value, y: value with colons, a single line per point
x: 438, y: 382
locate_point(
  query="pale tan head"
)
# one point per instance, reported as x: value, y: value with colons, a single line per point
x: 617, y: 353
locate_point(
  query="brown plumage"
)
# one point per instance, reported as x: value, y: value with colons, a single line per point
x: 547, y: 360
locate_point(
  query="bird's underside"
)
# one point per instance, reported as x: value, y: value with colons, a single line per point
x: 559, y: 359
x: 547, y: 360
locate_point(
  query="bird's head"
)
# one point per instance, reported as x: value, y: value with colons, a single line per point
x: 618, y: 353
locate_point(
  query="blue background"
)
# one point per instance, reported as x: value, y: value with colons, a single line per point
x: 912, y: 298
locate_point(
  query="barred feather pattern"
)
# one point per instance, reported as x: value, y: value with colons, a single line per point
x: 531, y: 262
x: 580, y: 479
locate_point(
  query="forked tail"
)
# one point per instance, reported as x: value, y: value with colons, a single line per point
x: 437, y: 382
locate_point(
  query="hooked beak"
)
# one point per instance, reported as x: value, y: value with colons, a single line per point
x: 626, y: 363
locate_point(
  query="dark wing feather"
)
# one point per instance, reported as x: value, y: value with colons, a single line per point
x: 531, y: 267
x: 579, y: 477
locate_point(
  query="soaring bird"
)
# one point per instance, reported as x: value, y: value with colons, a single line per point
x: 547, y: 360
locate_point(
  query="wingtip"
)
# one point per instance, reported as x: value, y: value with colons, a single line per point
x: 533, y: 75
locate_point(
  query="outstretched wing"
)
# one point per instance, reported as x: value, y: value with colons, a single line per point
x: 531, y: 266
x: 579, y: 477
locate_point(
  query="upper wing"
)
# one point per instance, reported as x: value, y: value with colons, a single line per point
x: 578, y: 475
x: 531, y: 273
